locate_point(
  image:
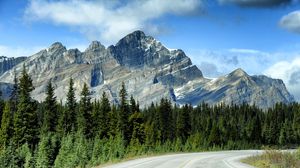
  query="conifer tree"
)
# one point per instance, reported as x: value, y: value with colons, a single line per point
x: 101, y: 117
x: 124, y: 114
x: 133, y: 106
x: 84, y: 114
x: 25, y: 118
x: 138, y: 127
x: 166, y: 120
x: 67, y: 119
x: 183, y: 127
x: 296, y: 124
x: 50, y: 115
x: 113, y: 116
x: 6, y: 126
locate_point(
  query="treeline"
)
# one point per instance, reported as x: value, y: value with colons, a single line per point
x: 85, y: 132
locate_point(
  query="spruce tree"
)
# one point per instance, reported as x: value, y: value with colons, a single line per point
x: 296, y: 124
x: 84, y: 115
x: 113, y: 115
x: 50, y: 115
x: 67, y: 119
x: 138, y: 128
x: 25, y: 118
x: 183, y: 126
x: 166, y: 120
x: 6, y: 126
x: 124, y: 114
x: 101, y: 117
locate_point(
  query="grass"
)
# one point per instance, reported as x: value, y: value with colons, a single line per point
x: 275, y: 159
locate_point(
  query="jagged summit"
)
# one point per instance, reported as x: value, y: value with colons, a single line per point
x: 96, y: 45
x: 150, y: 71
x: 56, y: 46
x: 238, y: 73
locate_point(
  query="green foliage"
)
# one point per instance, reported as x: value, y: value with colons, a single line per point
x: 101, y: 117
x: 47, y: 150
x: 8, y: 156
x: 84, y: 116
x: 165, y: 119
x: 25, y: 118
x: 24, y: 157
x: 67, y: 120
x: 50, y: 115
x: 124, y: 114
x: 6, y: 126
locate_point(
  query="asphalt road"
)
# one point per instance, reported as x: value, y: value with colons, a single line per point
x: 222, y: 159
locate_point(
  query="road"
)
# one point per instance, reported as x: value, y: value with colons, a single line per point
x: 222, y: 159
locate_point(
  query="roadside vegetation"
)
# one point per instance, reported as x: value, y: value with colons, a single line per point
x: 275, y: 159
x: 86, y: 133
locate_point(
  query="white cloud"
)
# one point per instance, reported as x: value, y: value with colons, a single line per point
x: 244, y: 51
x: 289, y: 72
x: 291, y: 21
x: 18, y: 51
x: 225, y: 61
x: 108, y: 20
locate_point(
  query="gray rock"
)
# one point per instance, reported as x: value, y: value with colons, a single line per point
x: 7, y: 63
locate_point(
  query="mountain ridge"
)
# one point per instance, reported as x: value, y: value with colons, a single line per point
x: 150, y: 71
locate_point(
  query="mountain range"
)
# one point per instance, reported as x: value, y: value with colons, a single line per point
x: 149, y: 70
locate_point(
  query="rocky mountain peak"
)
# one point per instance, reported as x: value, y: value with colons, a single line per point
x: 57, y: 46
x: 238, y: 73
x: 133, y: 39
x: 95, y: 45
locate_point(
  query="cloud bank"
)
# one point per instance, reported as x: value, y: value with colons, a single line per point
x: 291, y: 22
x: 108, y: 20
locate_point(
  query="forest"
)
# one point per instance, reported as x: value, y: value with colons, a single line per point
x: 87, y: 133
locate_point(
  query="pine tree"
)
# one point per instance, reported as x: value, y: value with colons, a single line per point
x: 124, y: 114
x: 67, y: 119
x: 137, y: 122
x: 101, y: 117
x: 50, y: 115
x: 166, y: 120
x: 84, y: 115
x: 6, y: 126
x: 214, y: 137
x: 25, y: 119
x: 133, y: 106
x: 296, y: 124
x: 44, y: 152
x: 113, y: 119
x: 183, y: 126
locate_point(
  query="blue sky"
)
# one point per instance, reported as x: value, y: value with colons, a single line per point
x: 260, y: 36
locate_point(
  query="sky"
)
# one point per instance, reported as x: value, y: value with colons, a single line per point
x: 260, y: 36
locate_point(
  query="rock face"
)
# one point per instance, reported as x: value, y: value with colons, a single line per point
x: 8, y: 63
x: 150, y: 72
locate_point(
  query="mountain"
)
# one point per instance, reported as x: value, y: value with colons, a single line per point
x: 150, y: 71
